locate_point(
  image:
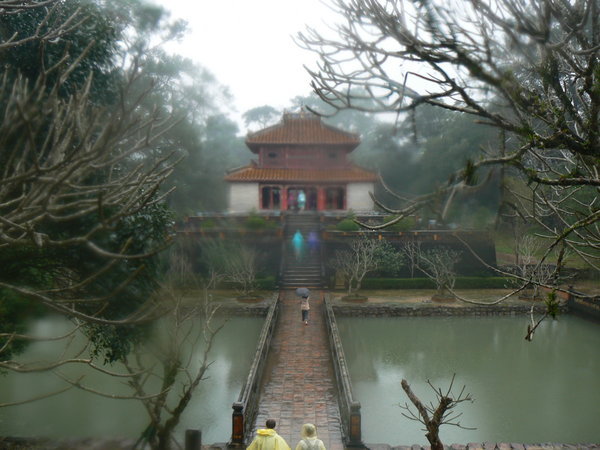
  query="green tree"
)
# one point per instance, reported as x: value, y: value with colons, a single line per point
x: 80, y: 181
x: 262, y: 116
x: 40, y: 42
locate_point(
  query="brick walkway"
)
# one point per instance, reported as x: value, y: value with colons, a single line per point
x: 298, y: 380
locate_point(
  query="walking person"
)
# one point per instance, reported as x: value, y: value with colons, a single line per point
x: 298, y: 244
x: 268, y: 439
x: 305, y: 308
x: 309, y: 439
x: 301, y: 200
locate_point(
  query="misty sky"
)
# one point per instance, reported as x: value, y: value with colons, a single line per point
x: 247, y: 45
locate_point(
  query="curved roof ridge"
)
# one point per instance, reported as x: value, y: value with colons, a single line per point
x: 350, y: 173
x: 302, y: 128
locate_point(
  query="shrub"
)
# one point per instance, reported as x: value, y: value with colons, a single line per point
x: 207, y: 224
x: 254, y: 222
x: 347, y: 225
x: 406, y: 224
x: 268, y: 283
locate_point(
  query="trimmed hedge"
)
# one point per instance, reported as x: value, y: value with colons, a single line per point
x: 426, y: 283
x: 347, y: 225
x: 266, y: 284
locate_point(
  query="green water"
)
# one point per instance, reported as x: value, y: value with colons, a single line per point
x: 547, y: 390
x: 76, y: 413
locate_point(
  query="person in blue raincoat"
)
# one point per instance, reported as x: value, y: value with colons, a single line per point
x: 313, y: 242
x: 298, y: 244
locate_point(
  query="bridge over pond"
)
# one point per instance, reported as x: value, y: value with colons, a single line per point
x: 298, y: 385
x: 297, y: 372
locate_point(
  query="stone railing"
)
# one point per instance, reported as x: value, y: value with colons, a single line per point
x: 431, y: 310
x: 246, y: 406
x: 588, y: 306
x: 349, y: 407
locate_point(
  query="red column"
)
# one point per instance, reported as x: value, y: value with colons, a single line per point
x: 320, y: 198
x: 284, y: 196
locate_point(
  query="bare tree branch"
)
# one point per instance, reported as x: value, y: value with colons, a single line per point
x: 432, y: 416
x: 527, y: 68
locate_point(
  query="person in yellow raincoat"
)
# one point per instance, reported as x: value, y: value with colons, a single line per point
x: 268, y: 439
x: 309, y: 439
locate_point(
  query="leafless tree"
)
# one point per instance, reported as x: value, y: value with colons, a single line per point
x: 528, y: 68
x: 64, y: 159
x: 528, y: 249
x: 434, y: 416
x: 162, y: 372
x: 54, y: 149
x: 412, y: 250
x: 241, y: 269
x: 166, y: 383
x: 365, y: 255
x: 50, y: 29
x: 236, y: 262
x: 438, y: 265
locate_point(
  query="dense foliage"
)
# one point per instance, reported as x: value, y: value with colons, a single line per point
x: 95, y: 115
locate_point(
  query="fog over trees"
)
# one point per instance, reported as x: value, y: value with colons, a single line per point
x: 477, y: 114
x: 96, y: 116
x: 527, y: 71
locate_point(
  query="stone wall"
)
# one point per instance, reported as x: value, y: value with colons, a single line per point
x: 243, y: 197
x: 358, y: 198
x: 434, y: 310
x: 588, y: 307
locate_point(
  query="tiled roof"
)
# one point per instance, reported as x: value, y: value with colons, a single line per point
x: 302, y: 128
x: 349, y: 174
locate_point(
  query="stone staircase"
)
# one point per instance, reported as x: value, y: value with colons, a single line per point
x: 301, y: 268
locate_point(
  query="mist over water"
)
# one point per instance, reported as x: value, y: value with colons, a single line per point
x: 79, y: 414
x: 544, y: 391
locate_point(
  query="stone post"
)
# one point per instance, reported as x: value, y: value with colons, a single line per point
x: 355, y: 437
x: 193, y: 440
x: 237, y: 424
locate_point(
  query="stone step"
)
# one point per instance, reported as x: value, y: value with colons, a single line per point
x: 302, y: 281
x: 294, y: 285
x: 298, y: 273
x: 304, y: 270
x: 302, y: 275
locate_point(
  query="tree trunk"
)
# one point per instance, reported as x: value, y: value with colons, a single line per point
x: 434, y: 440
x: 164, y: 440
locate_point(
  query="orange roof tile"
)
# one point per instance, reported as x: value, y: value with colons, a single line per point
x: 349, y: 174
x: 302, y: 128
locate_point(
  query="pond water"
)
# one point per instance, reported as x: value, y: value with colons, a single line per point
x: 547, y: 390
x: 78, y: 414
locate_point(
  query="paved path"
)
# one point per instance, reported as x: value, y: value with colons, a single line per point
x: 298, y: 380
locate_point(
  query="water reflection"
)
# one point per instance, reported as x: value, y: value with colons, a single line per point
x: 547, y: 390
x: 81, y: 414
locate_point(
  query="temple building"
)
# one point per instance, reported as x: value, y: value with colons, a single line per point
x: 302, y: 165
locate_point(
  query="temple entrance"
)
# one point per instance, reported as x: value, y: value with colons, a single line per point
x: 302, y: 198
x: 271, y: 197
x: 335, y: 198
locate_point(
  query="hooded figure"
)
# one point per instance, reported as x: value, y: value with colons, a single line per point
x: 309, y: 439
x: 268, y: 439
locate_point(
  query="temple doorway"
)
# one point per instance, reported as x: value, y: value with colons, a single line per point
x: 335, y: 198
x: 302, y: 198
